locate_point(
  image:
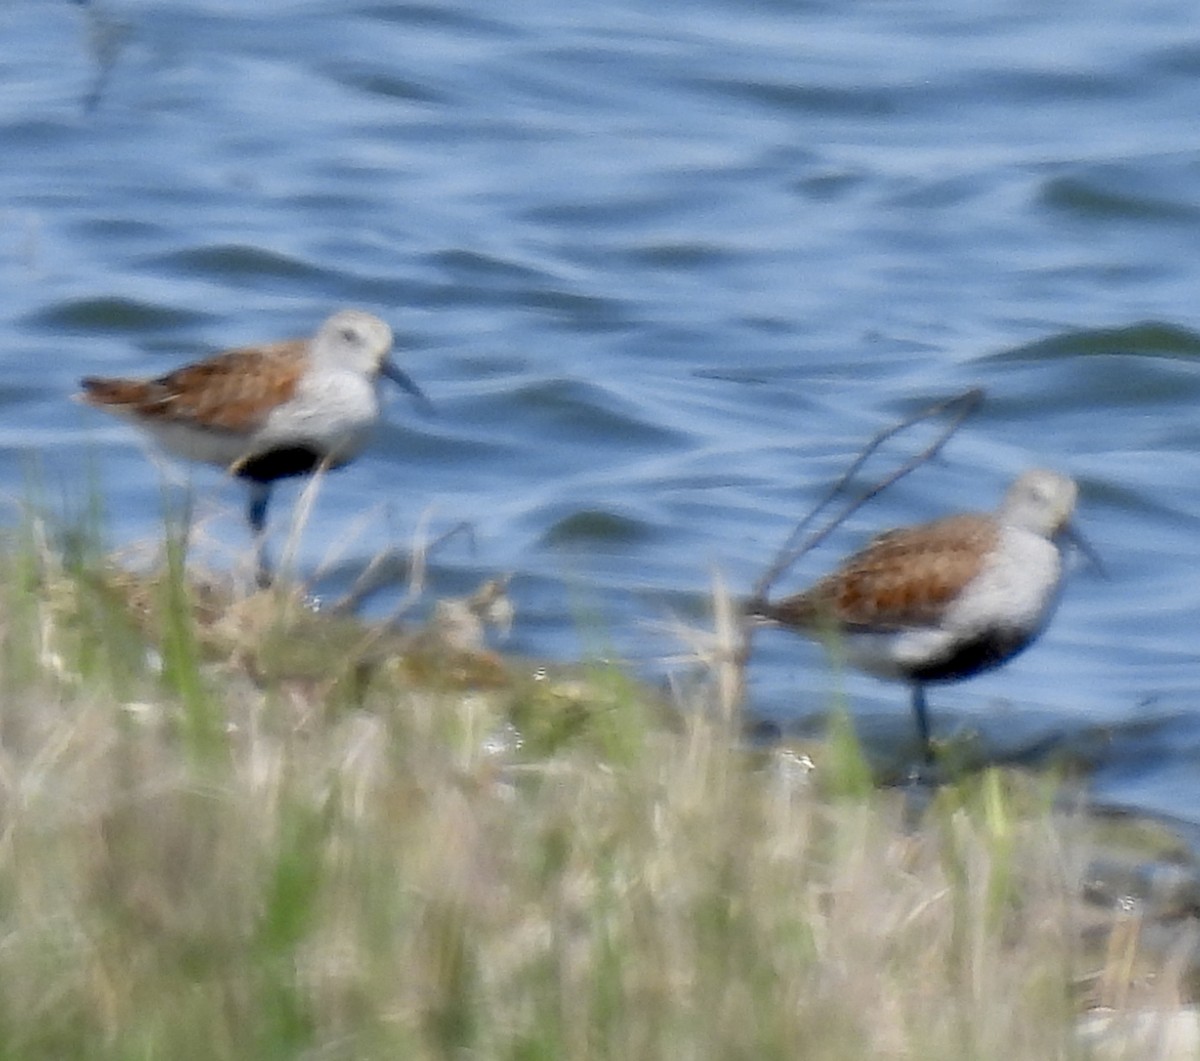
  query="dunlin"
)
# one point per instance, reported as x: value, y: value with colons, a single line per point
x: 267, y: 412
x: 948, y: 599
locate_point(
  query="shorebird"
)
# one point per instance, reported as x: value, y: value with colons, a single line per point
x: 944, y: 600
x: 266, y: 412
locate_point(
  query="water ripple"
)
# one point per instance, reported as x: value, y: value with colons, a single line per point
x: 1146, y: 338
x: 662, y: 273
x: 111, y: 314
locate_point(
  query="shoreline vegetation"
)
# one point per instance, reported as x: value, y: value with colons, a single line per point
x: 236, y: 827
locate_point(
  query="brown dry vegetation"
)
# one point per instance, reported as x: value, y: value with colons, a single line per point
x: 232, y: 828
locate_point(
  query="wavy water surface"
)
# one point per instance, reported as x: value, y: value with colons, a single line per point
x: 663, y: 269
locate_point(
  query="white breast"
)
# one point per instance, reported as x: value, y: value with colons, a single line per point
x: 334, y: 411
x: 1017, y: 588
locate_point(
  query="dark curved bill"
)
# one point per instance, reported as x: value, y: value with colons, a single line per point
x: 402, y: 379
x: 1081, y: 543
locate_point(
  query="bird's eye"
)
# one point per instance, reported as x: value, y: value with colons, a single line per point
x: 349, y: 335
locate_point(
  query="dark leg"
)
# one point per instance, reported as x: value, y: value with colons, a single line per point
x: 922, y: 713
x: 256, y: 516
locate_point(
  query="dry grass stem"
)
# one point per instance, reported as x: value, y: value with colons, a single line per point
x: 232, y: 828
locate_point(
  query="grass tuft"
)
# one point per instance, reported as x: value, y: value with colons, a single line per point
x: 233, y: 827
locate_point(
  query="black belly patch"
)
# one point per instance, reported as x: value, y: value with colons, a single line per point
x: 280, y: 463
x: 982, y: 653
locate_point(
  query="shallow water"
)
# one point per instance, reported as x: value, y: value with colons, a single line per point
x: 663, y: 269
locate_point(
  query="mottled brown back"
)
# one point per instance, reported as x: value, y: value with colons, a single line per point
x: 902, y: 578
x: 234, y: 391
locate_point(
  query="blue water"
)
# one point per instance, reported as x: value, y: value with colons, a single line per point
x: 663, y: 268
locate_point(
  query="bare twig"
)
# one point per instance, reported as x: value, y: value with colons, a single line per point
x: 390, y: 567
x: 962, y: 405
